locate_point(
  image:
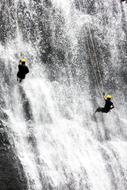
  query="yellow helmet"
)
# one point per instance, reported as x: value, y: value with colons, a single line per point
x: 23, y: 60
x: 108, y: 97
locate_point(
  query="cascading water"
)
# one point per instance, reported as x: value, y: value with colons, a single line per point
x: 75, y: 50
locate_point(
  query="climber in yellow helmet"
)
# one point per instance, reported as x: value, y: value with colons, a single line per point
x: 22, y: 70
x: 108, y: 104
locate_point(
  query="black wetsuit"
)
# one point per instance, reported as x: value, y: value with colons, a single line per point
x: 23, y: 70
x: 108, y: 106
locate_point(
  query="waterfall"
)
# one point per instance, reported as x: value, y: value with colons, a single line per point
x: 75, y: 51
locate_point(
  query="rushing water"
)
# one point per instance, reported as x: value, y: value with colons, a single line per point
x: 75, y: 50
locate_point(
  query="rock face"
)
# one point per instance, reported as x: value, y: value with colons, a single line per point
x: 12, y: 176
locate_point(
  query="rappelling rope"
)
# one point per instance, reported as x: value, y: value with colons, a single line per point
x: 96, y: 60
x: 100, y: 88
x: 96, y: 78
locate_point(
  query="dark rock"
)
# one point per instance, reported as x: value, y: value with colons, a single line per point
x: 12, y: 176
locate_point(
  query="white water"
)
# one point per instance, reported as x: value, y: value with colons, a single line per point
x: 60, y: 143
